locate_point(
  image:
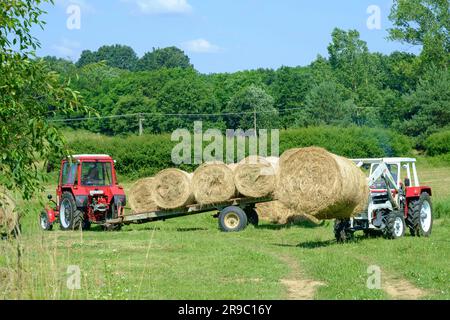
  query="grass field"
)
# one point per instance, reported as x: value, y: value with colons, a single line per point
x: 189, y: 258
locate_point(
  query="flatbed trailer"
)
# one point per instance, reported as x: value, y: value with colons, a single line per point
x: 233, y: 215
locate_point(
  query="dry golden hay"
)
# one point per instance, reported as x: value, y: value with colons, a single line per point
x: 140, y: 196
x: 255, y: 177
x: 213, y: 183
x: 9, y: 218
x: 232, y: 166
x: 172, y: 189
x: 277, y: 213
x: 315, y: 182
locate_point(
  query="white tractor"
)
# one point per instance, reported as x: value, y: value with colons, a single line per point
x: 393, y: 205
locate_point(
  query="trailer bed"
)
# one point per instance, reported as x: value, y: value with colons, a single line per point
x: 157, y: 215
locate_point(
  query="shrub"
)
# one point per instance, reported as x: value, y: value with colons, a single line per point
x: 352, y: 142
x: 146, y: 155
x: 438, y: 143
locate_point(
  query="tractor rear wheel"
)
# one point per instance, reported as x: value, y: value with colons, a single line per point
x: 420, y: 216
x: 232, y: 219
x: 342, y: 231
x: 394, y: 225
x: 70, y: 217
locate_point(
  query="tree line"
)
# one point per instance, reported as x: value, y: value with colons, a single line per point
x: 351, y: 86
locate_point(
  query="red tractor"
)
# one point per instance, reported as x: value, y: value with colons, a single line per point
x: 87, y: 193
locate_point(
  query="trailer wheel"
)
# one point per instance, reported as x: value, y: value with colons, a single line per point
x: 252, y: 216
x: 394, y: 225
x: 420, y: 216
x: 69, y: 217
x: 342, y: 231
x: 44, y: 223
x: 232, y: 219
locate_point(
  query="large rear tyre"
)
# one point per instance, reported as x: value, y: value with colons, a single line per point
x: 420, y: 216
x: 70, y: 218
x: 394, y: 225
x: 232, y: 219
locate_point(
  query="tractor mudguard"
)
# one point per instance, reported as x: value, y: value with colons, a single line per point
x: 81, y: 201
x: 51, y: 215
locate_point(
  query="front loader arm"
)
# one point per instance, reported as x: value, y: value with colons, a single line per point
x: 383, y: 172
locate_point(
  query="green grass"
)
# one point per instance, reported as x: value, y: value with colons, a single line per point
x: 189, y: 258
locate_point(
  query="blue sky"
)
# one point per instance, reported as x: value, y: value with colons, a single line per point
x: 218, y: 35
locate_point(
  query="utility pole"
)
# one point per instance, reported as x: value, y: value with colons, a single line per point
x: 254, y: 122
x: 141, y: 128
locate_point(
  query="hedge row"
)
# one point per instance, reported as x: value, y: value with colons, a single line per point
x: 148, y: 154
x: 438, y: 143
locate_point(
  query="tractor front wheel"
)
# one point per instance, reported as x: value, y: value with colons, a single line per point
x: 70, y: 217
x: 420, y: 216
x: 395, y: 226
x: 44, y: 223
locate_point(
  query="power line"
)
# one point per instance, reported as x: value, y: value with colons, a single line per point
x: 132, y: 115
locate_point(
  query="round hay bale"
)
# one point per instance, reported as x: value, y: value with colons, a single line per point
x: 255, y: 177
x: 277, y: 213
x: 315, y: 182
x: 140, y: 196
x: 213, y: 183
x: 232, y: 166
x: 172, y: 189
x: 9, y: 218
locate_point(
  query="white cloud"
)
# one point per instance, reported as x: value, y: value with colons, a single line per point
x: 162, y: 6
x: 66, y: 49
x: 200, y: 46
x: 83, y: 4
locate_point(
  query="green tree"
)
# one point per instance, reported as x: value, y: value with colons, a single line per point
x: 29, y: 93
x: 424, y: 23
x: 116, y: 56
x: 170, y: 57
x: 349, y: 57
x: 427, y: 109
x: 246, y: 103
x: 325, y: 105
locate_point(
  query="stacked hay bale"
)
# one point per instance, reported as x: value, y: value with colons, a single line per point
x: 277, y: 213
x: 255, y: 177
x: 213, y: 182
x: 140, y: 197
x: 318, y: 183
x: 172, y: 189
x: 9, y: 218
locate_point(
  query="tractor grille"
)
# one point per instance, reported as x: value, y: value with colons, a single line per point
x: 380, y: 198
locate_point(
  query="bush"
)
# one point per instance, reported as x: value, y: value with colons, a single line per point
x: 352, y: 142
x: 146, y: 155
x: 438, y: 143
x: 441, y: 209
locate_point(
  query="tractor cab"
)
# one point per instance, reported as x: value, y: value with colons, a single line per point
x: 88, y: 192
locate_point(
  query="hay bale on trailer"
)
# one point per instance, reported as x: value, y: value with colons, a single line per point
x: 9, y: 217
x: 318, y: 183
x: 255, y: 177
x: 277, y: 213
x: 140, y: 196
x: 172, y: 189
x: 213, y: 182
